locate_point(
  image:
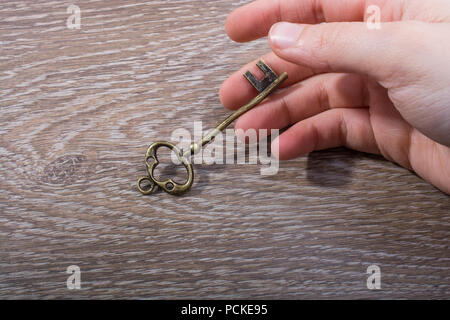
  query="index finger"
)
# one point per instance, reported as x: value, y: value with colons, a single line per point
x: 254, y: 20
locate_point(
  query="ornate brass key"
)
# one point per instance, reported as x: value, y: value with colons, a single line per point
x: 265, y: 86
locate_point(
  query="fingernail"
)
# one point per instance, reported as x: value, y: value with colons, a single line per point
x: 284, y: 34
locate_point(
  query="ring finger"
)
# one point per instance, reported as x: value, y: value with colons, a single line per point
x: 306, y: 99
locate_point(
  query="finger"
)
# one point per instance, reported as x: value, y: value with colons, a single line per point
x: 237, y: 91
x: 254, y: 20
x: 333, y: 128
x: 392, y: 132
x: 306, y: 99
x: 348, y: 47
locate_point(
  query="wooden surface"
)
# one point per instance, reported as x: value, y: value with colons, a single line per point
x: 80, y: 107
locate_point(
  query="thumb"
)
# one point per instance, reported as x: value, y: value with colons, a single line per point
x: 344, y: 46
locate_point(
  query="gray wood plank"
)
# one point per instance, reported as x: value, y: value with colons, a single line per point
x: 80, y: 107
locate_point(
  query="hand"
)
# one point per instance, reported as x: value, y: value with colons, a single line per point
x: 383, y: 91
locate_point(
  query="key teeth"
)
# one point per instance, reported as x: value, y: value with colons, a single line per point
x: 253, y: 81
x: 268, y: 72
x: 269, y: 77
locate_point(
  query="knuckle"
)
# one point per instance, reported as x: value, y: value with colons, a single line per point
x: 329, y: 35
x: 328, y: 40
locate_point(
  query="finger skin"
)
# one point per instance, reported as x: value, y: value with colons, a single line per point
x: 306, y: 99
x: 345, y: 47
x: 254, y: 20
x: 333, y: 128
x: 408, y: 69
x: 391, y: 130
x: 430, y: 160
x: 237, y: 91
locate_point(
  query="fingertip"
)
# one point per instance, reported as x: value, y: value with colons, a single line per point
x: 240, y: 135
x: 229, y: 27
x: 240, y: 129
x: 222, y: 94
x: 281, y: 148
x: 275, y: 147
x: 233, y: 26
x: 238, y: 125
x: 235, y: 91
x: 271, y: 33
x: 284, y: 35
x: 225, y: 94
x: 271, y: 39
x: 250, y: 22
x: 292, y: 144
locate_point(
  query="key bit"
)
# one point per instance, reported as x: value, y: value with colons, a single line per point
x: 269, y: 77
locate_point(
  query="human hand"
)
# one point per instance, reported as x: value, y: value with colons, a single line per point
x: 382, y: 91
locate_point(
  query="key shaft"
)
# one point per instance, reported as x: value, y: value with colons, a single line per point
x: 196, y: 147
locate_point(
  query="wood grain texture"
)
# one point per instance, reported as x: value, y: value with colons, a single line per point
x: 80, y: 107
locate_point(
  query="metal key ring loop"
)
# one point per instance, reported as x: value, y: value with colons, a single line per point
x: 169, y: 185
x: 146, y: 190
